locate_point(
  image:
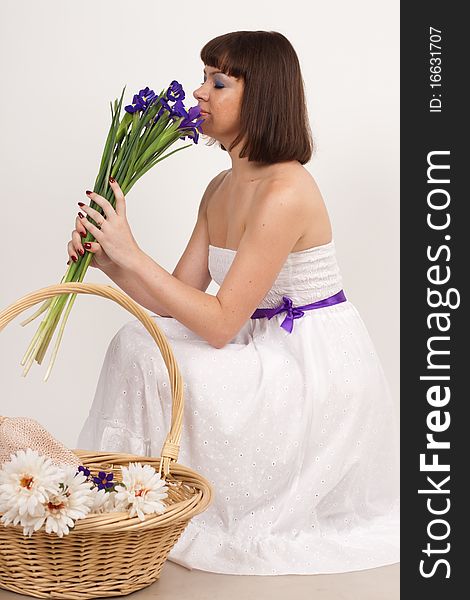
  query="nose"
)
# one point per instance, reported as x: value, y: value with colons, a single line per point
x: 200, y: 92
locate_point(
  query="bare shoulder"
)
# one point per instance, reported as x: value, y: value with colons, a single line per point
x: 211, y: 188
x: 296, y: 179
x: 291, y: 184
x: 292, y: 189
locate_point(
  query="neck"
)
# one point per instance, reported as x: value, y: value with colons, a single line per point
x: 243, y: 170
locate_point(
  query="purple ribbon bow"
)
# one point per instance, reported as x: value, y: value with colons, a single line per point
x: 295, y: 312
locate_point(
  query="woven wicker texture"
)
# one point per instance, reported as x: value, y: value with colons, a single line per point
x: 107, y: 554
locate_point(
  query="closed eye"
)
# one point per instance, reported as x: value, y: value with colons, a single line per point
x: 217, y: 85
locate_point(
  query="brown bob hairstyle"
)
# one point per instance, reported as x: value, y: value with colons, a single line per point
x: 273, y: 119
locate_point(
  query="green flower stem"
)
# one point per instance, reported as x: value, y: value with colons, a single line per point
x: 107, y: 145
x: 40, y: 310
x: 159, y: 126
x: 60, y: 334
x: 123, y: 127
x: 55, y: 302
x: 32, y: 345
x: 41, y: 340
x: 154, y: 151
x: 150, y: 165
x: 117, y: 109
x: 68, y: 299
x: 118, y: 161
x: 151, y: 150
x: 44, y: 307
x: 50, y: 328
x: 108, y: 153
x: 40, y: 336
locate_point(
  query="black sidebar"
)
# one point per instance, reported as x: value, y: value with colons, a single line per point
x: 435, y: 238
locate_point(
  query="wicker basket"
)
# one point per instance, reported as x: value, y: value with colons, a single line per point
x: 106, y: 554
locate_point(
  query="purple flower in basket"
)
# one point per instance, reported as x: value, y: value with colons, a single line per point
x: 84, y: 470
x: 104, y: 481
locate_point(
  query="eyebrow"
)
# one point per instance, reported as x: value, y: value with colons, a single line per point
x: 214, y: 72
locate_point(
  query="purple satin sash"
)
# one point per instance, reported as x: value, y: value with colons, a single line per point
x: 295, y: 312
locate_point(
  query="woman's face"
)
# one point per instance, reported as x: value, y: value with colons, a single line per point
x: 220, y: 96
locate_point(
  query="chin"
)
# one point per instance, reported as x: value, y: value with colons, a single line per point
x: 204, y: 129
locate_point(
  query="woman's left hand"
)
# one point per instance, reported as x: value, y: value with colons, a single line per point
x: 114, y: 234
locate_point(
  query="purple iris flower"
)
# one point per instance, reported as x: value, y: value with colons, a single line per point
x: 176, y: 111
x: 103, y: 480
x: 141, y: 100
x: 165, y: 106
x: 175, y: 91
x: 192, y: 121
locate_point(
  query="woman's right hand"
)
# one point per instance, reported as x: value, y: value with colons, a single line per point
x: 75, y: 247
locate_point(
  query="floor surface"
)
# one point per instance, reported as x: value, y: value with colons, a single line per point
x: 178, y: 583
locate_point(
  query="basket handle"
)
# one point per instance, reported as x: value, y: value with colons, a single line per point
x: 171, y: 446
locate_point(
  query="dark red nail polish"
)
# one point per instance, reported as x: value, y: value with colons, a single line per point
x: 74, y: 258
x: 80, y: 215
x: 112, y: 180
x: 87, y: 245
x: 81, y: 204
x: 81, y: 252
x: 82, y: 234
x: 88, y: 192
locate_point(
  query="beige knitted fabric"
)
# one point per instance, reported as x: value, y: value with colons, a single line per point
x: 19, y: 433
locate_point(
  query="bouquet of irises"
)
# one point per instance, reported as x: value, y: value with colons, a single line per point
x: 135, y: 143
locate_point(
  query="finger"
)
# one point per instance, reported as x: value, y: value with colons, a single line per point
x: 71, y: 252
x: 95, y: 232
x: 92, y: 247
x: 79, y: 227
x: 77, y: 242
x: 92, y: 213
x: 107, y: 207
x: 119, y: 195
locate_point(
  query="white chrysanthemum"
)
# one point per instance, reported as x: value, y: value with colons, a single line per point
x: 99, y: 497
x: 73, y: 501
x: 141, y: 490
x: 103, y: 501
x: 26, y: 482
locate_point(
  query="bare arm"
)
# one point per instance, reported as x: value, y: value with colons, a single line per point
x: 192, y: 267
x: 128, y: 284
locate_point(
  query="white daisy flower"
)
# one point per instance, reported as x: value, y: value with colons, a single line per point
x: 141, y: 490
x: 26, y: 482
x: 72, y: 501
x: 99, y: 497
x: 110, y: 503
x: 103, y: 501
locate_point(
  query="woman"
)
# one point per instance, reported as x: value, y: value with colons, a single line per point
x: 289, y: 415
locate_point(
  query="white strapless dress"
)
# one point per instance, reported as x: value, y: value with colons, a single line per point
x: 297, y: 432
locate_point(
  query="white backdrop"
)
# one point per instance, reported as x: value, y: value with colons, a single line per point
x: 61, y: 63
